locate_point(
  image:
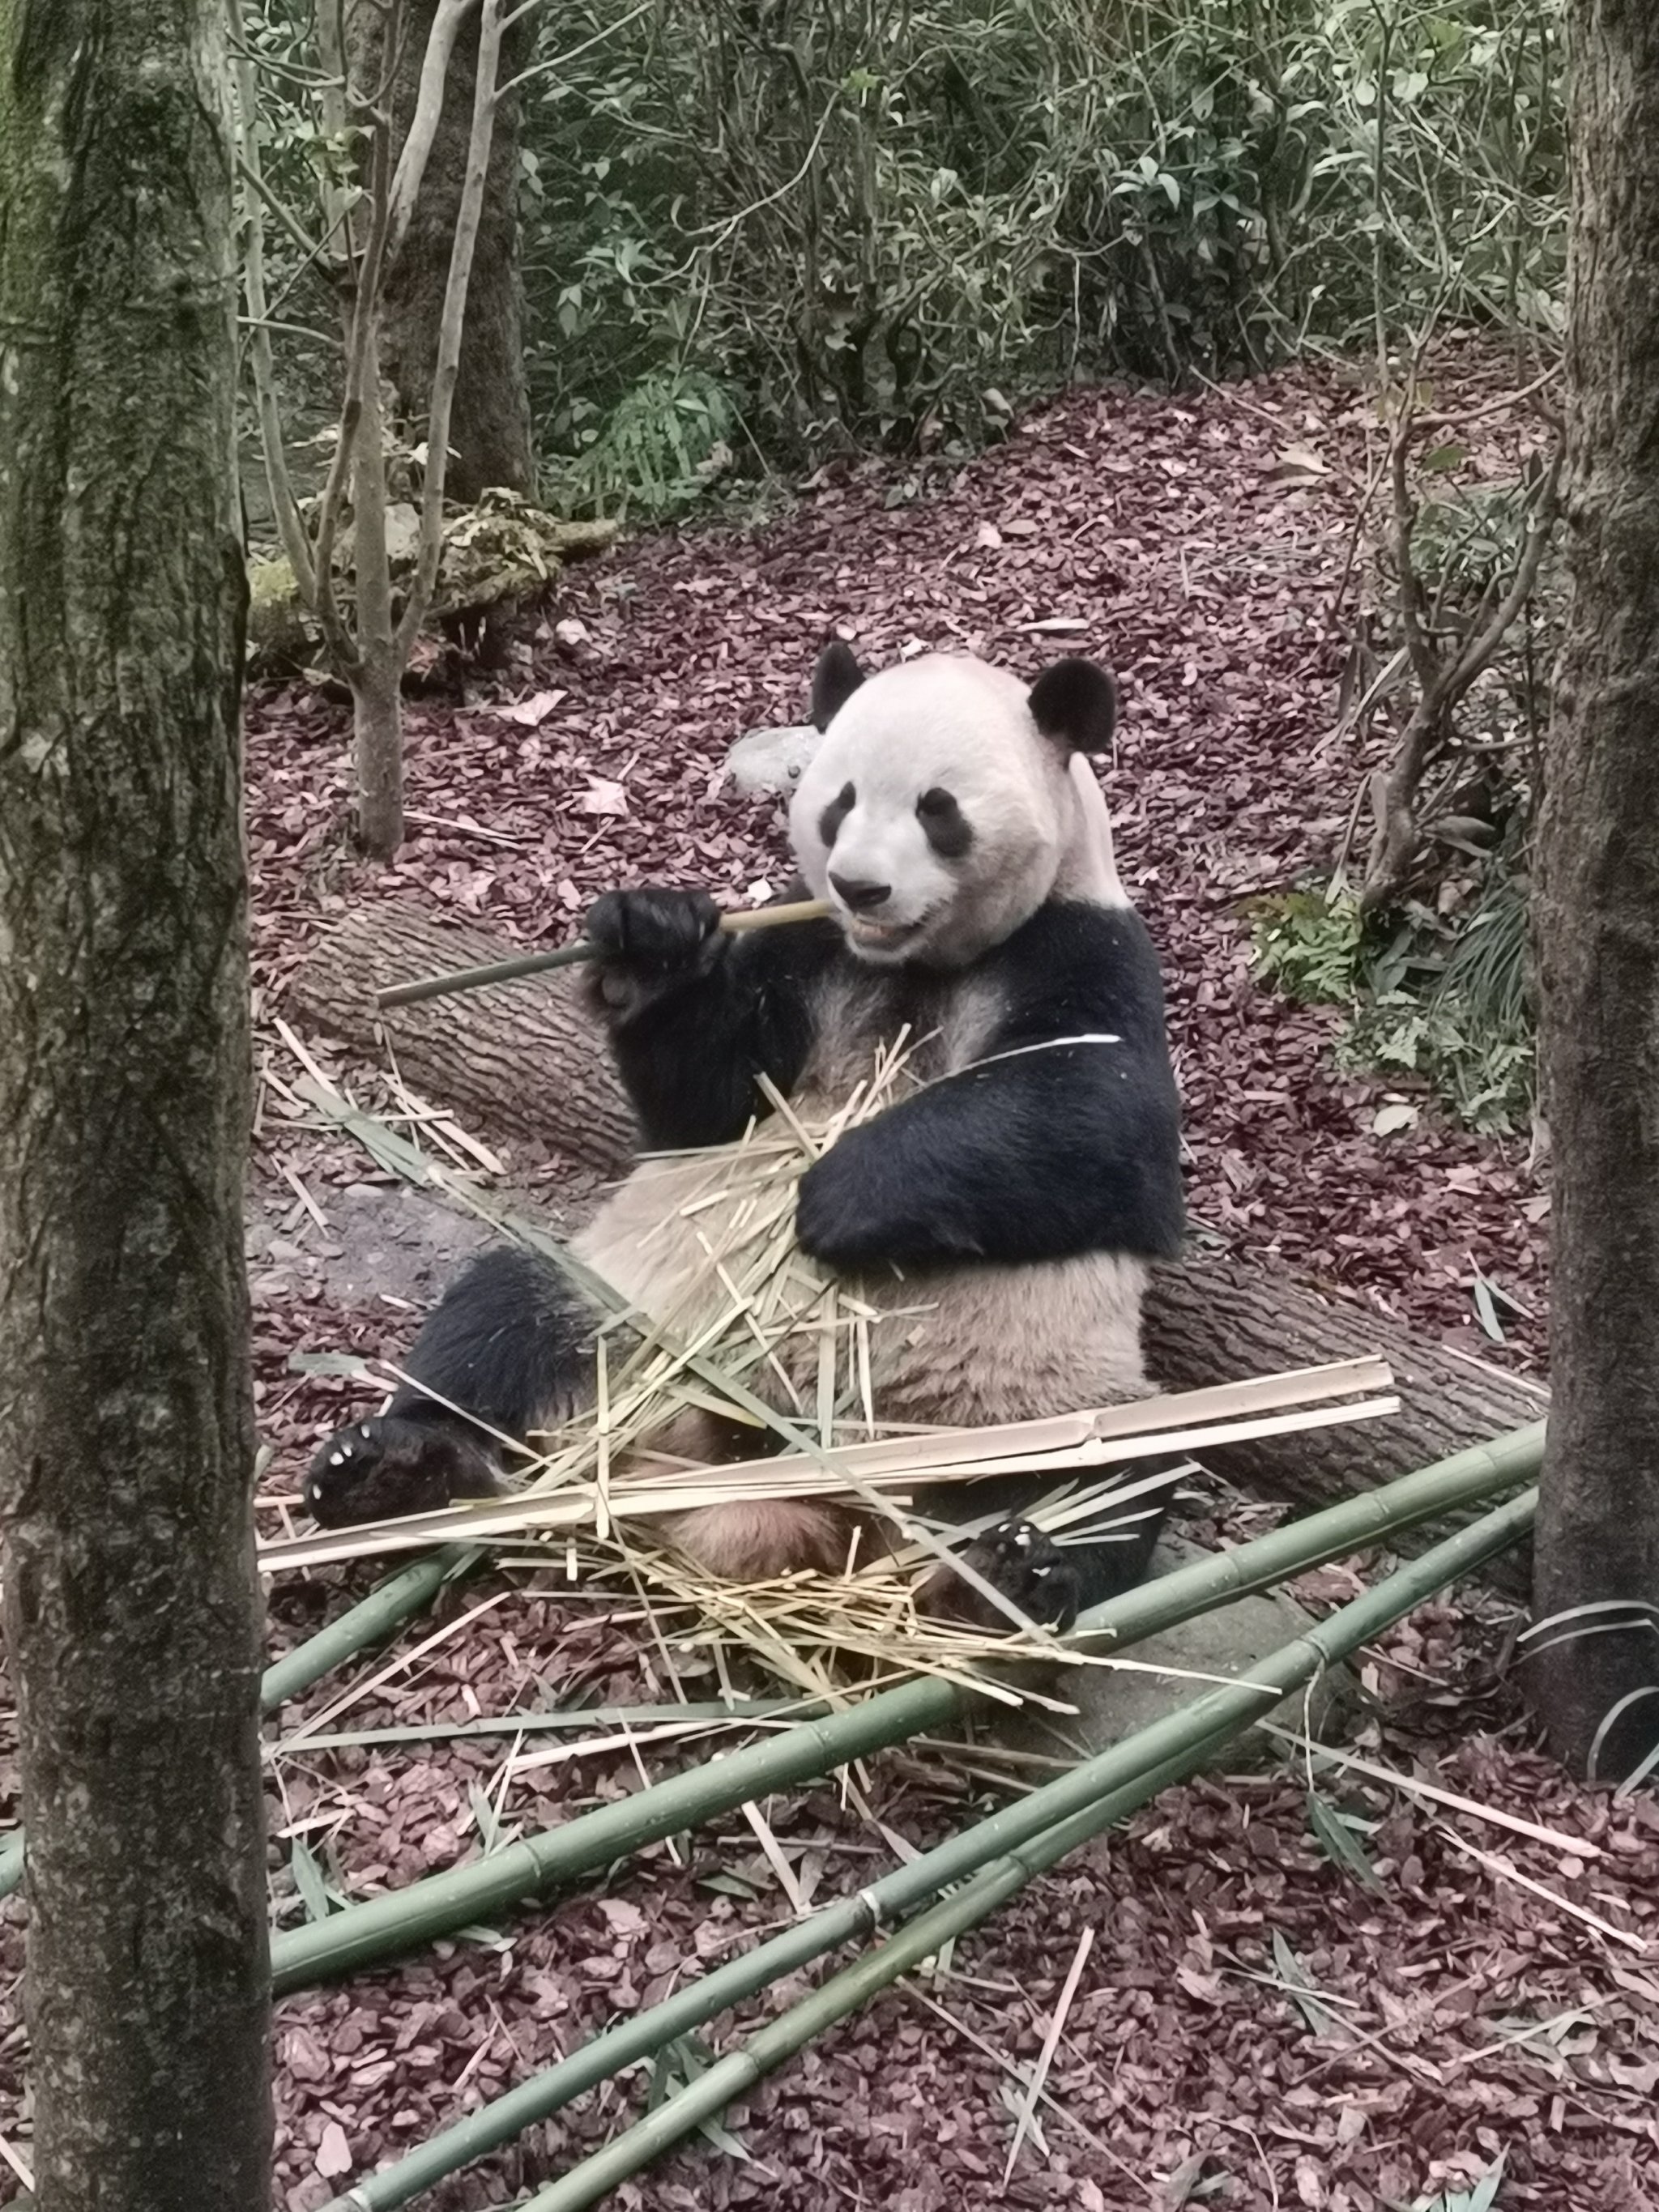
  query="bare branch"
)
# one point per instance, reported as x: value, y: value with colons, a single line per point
x: 290, y: 528
x: 1480, y: 649
x: 252, y: 175
x: 429, y: 113
x: 1424, y: 658
x: 361, y: 393
x: 452, y: 326
x: 574, y: 53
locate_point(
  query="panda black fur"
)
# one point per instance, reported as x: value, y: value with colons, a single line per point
x: 1004, y: 1213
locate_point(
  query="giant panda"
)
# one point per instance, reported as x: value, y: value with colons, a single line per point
x: 1006, y: 1211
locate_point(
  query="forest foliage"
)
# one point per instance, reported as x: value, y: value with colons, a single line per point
x: 771, y: 229
x: 864, y: 220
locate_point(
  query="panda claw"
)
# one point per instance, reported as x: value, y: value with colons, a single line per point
x: 381, y: 1469
x: 1023, y: 1565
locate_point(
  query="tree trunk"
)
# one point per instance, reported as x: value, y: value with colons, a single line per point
x: 377, y: 745
x: 1598, y: 918
x: 1213, y: 1319
x: 489, y: 430
x: 523, y: 1060
x: 131, y: 1606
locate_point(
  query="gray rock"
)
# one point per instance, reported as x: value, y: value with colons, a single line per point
x: 770, y: 760
x: 1113, y: 1703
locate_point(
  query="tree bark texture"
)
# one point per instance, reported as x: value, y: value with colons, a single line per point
x: 523, y: 1061
x: 131, y: 1606
x: 489, y: 429
x: 1598, y: 913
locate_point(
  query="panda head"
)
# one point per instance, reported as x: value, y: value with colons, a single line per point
x: 948, y: 800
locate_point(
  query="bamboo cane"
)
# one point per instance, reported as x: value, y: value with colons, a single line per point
x: 567, y: 956
x: 1186, y: 1740
x: 648, y: 2033
x: 439, y: 1904
x: 1115, y: 1782
x: 386, y: 1606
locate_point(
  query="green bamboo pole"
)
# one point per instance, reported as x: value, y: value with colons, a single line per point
x: 567, y: 956
x: 1471, y: 1477
x: 1183, y: 1739
x: 648, y: 2033
x: 440, y: 1904
x: 370, y: 1620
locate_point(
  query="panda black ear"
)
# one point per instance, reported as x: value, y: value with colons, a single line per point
x: 835, y: 680
x: 1075, y: 704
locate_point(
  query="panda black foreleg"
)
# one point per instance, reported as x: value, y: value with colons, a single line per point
x: 508, y: 1349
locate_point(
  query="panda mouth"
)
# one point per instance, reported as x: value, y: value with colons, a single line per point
x: 880, y: 936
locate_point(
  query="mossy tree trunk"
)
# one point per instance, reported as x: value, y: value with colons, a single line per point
x: 1598, y: 921
x: 131, y: 1610
x: 489, y: 429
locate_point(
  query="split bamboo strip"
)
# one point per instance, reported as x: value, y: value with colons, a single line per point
x: 1118, y: 1781
x: 946, y: 1455
x: 440, y: 1904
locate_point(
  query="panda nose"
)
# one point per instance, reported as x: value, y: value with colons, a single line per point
x: 859, y: 896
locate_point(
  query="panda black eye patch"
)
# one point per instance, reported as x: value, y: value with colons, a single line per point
x: 836, y: 813
x: 945, y: 824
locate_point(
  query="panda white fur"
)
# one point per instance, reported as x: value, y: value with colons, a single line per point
x: 1006, y: 1210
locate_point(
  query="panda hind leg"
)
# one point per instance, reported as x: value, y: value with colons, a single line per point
x: 1051, y: 1583
x: 510, y: 1346
x: 1125, y: 1535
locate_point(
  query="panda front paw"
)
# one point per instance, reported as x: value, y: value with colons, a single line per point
x: 386, y: 1469
x: 831, y: 1224
x: 653, y: 928
x: 1020, y: 1564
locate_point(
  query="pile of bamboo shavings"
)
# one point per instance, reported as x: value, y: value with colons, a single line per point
x: 593, y: 1483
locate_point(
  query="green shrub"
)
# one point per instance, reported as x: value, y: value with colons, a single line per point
x: 1447, y: 1003
x: 869, y: 222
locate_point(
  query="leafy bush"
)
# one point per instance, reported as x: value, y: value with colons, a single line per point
x: 657, y: 451
x: 868, y: 221
x: 1449, y: 1004
x: 1308, y: 945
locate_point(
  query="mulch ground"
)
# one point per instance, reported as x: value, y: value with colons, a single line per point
x: 1254, y: 2027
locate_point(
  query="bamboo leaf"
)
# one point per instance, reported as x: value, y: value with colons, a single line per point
x: 1339, y: 1841
x: 1300, y: 1988
x: 308, y: 1880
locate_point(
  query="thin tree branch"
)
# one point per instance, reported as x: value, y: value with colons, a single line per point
x: 1481, y: 649
x: 1425, y: 657
x: 363, y: 371
x: 252, y: 175
x: 575, y: 53
x: 451, y: 327
x: 290, y: 527
x: 423, y: 123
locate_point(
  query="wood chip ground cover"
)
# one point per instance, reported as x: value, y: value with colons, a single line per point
x: 1253, y: 2027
